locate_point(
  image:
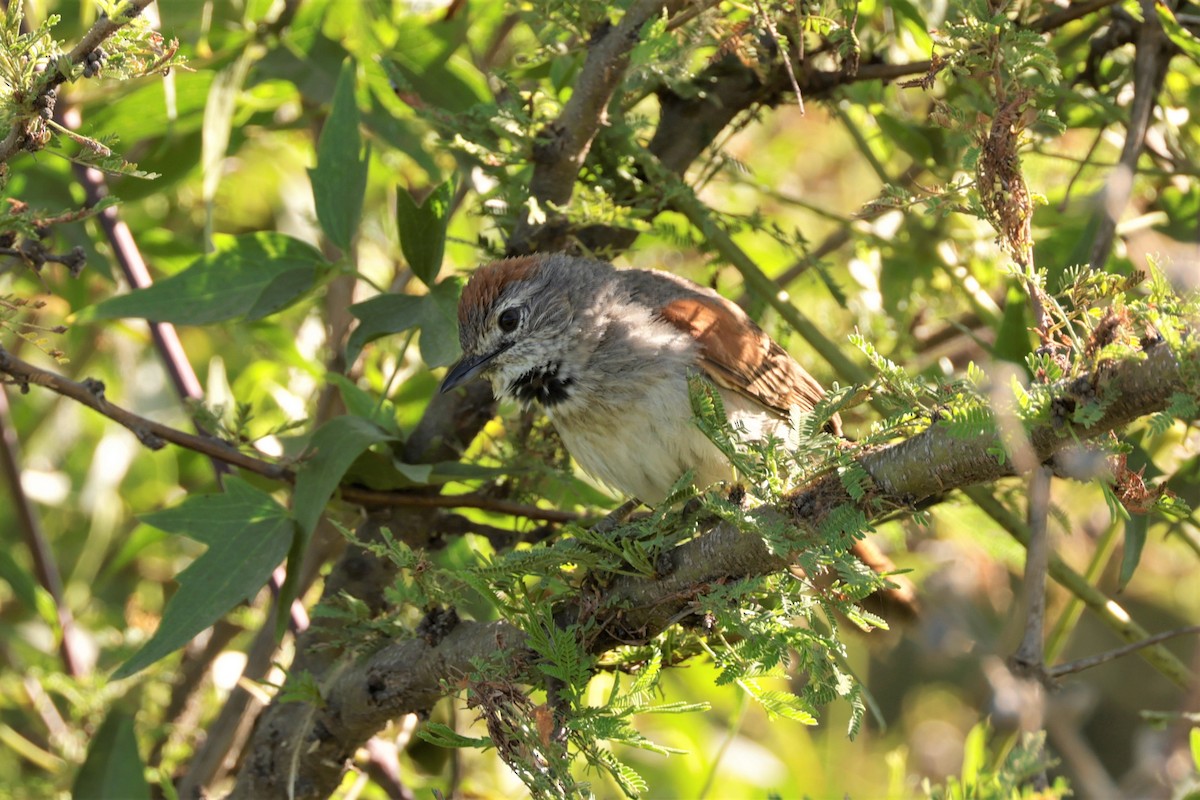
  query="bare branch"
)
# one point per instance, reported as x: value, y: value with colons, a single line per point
x: 155, y: 434
x: 150, y: 433
x: 1103, y: 658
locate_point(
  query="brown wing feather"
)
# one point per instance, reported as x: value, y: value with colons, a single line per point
x: 736, y: 354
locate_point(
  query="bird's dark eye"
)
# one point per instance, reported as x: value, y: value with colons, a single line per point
x: 509, y: 319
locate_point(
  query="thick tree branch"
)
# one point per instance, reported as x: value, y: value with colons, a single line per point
x: 410, y: 676
x: 562, y: 147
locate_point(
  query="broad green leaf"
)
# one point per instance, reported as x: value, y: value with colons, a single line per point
x: 247, y: 534
x: 439, y: 324
x: 383, y: 472
x: 1135, y: 540
x: 340, y: 178
x: 423, y: 230
x: 331, y: 451
x: 247, y: 276
x: 434, y: 313
x: 283, y: 290
x: 361, y: 403
x: 147, y: 112
x: 113, y: 767
x: 422, y: 61
x: 1194, y: 742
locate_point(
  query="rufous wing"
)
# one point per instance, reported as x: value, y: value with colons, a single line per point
x: 737, y: 355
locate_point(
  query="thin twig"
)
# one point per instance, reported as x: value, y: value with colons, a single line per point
x: 1111, y: 655
x: 787, y: 57
x: 155, y: 434
x: 1106, y: 609
x: 150, y: 433
x: 44, y: 565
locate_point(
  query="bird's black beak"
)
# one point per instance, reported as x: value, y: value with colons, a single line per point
x: 467, y: 368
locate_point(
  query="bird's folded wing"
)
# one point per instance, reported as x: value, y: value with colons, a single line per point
x: 736, y: 354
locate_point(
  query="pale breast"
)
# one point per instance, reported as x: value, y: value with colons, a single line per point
x: 642, y: 447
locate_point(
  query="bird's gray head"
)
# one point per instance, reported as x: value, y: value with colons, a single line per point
x: 517, y: 323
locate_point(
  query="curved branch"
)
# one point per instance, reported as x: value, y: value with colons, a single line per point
x: 562, y: 146
x: 410, y: 676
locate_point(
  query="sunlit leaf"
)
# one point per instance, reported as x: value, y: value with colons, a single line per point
x: 247, y: 534
x: 247, y: 276
x: 340, y: 178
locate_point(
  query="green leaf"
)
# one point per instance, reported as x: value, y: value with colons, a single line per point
x: 439, y: 324
x: 285, y: 289
x: 244, y: 277
x: 444, y: 736
x: 339, y: 180
x: 1135, y: 540
x: 247, y: 534
x: 331, y: 451
x: 1194, y: 741
x: 975, y: 753
x: 435, y: 314
x: 780, y: 704
x: 20, y: 581
x: 361, y: 403
x: 1184, y: 39
x: 422, y: 230
x: 113, y: 767
x: 1012, y: 338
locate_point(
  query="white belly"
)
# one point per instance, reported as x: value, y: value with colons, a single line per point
x: 641, y: 448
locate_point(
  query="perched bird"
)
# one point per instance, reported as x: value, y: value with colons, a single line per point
x: 607, y: 354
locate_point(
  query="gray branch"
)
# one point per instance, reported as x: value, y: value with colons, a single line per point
x: 562, y: 146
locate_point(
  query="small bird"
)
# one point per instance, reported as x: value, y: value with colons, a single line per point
x: 607, y: 354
